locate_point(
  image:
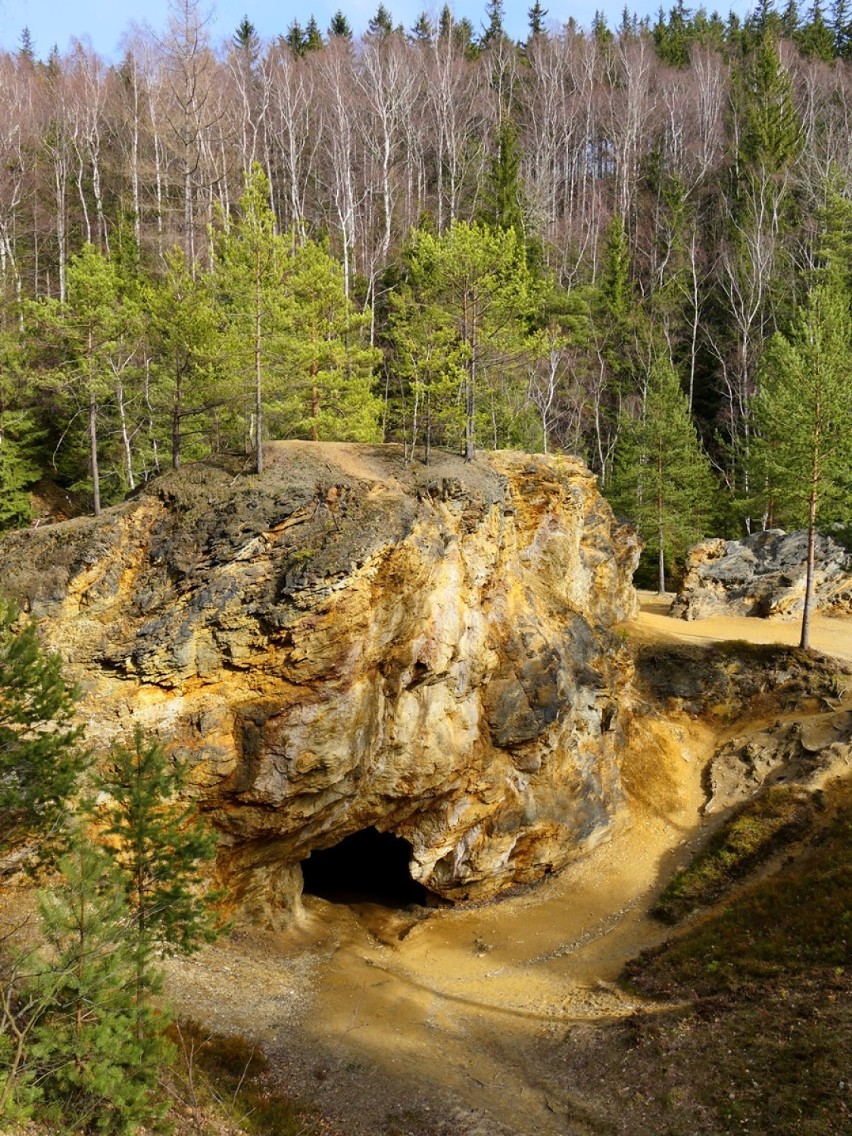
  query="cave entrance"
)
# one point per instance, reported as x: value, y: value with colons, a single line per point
x: 367, y: 867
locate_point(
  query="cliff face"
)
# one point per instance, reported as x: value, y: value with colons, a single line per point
x: 347, y: 643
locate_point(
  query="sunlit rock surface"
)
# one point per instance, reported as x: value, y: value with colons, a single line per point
x: 349, y: 642
x: 764, y: 575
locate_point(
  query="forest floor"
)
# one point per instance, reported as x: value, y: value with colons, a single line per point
x: 474, y: 1020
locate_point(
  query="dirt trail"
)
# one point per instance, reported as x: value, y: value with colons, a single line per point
x: 394, y: 1019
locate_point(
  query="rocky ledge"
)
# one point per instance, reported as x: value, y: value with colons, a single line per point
x: 763, y: 575
x: 350, y: 642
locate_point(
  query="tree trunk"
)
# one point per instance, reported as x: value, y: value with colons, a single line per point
x: 177, y: 407
x: 125, y: 436
x: 804, y: 640
x: 661, y: 583
x: 661, y: 579
x: 258, y: 393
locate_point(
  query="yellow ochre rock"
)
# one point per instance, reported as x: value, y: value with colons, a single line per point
x: 353, y: 641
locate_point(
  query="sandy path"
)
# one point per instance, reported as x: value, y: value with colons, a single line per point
x: 830, y: 636
x: 391, y: 1014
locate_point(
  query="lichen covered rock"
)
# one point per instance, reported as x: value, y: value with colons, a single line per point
x: 350, y: 642
x: 763, y: 575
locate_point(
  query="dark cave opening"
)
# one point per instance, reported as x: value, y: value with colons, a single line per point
x: 367, y: 867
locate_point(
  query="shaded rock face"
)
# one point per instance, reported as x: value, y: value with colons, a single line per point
x: 763, y: 575
x: 348, y: 643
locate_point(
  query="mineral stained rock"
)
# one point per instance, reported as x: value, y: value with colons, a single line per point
x: 763, y: 575
x: 348, y: 642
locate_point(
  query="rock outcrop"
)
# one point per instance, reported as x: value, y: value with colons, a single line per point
x: 807, y: 753
x: 763, y: 575
x: 348, y: 642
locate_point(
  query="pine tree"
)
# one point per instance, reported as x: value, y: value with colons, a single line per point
x: 381, y: 24
x: 329, y: 393
x: 313, y: 36
x: 816, y: 38
x: 662, y: 480
x: 673, y: 36
x: 841, y: 28
x: 622, y: 335
x: 535, y: 18
x: 804, y: 416
x: 246, y: 39
x: 474, y: 287
x: 295, y: 38
x: 94, y: 1075
x: 600, y: 28
x: 428, y: 365
x: 19, y: 433
x: 40, y: 754
x: 160, y: 850
x: 26, y: 51
x: 187, y: 351
x: 504, y: 200
x: 762, y: 94
x: 423, y: 29
x: 339, y: 27
x: 494, y: 30
x: 88, y: 343
x: 251, y: 258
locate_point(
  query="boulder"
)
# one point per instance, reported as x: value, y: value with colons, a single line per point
x: 763, y: 575
x: 807, y: 754
x: 351, y: 642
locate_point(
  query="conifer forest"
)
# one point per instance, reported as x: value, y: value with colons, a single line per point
x: 628, y: 242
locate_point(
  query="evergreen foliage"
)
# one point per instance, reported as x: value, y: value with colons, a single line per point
x: 474, y: 300
x: 291, y: 333
x: 339, y: 27
x: 381, y: 24
x: 19, y: 434
x: 92, y: 1071
x: 662, y: 479
x: 87, y: 345
x: 769, y: 132
x: 804, y: 415
x: 159, y: 849
x: 313, y: 36
x: 81, y: 1045
x: 536, y: 17
x: 494, y: 30
x: 330, y: 393
x: 40, y: 754
x: 250, y: 266
x: 668, y: 178
x: 187, y: 345
x: 296, y: 39
x: 504, y: 196
x: 18, y: 469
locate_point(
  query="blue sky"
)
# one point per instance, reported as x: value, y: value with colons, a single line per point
x: 104, y: 22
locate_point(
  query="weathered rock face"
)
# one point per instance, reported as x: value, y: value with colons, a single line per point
x: 763, y: 575
x: 807, y: 753
x: 347, y: 643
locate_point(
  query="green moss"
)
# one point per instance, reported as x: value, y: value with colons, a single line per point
x: 795, y: 923
x: 744, y: 841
